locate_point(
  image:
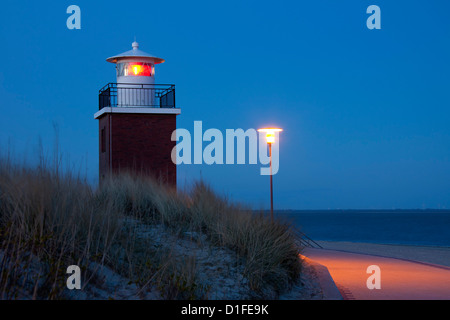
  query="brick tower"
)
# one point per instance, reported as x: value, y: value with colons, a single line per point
x: 136, y: 119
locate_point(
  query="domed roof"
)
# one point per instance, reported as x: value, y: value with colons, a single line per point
x: 135, y: 53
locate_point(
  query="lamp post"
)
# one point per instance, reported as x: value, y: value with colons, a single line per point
x: 270, y: 138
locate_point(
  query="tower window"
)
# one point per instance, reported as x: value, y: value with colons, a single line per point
x: 103, y: 140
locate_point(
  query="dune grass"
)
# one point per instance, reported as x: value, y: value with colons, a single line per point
x: 50, y: 220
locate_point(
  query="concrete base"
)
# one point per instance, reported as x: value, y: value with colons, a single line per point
x: 329, y: 288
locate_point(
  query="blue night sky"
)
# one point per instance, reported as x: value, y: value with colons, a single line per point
x: 365, y: 112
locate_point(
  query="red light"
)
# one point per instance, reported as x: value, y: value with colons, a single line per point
x: 139, y: 69
x: 136, y: 69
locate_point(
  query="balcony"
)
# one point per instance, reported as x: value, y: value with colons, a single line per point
x: 137, y: 95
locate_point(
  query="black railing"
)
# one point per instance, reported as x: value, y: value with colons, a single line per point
x: 137, y: 95
x: 304, y: 241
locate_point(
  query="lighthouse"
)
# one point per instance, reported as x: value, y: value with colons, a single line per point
x: 136, y: 119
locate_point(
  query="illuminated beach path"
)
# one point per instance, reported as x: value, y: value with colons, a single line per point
x: 400, y: 279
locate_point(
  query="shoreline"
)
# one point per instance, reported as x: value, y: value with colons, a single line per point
x: 386, y: 243
x: 435, y: 255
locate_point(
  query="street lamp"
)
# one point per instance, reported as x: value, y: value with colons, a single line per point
x: 270, y: 138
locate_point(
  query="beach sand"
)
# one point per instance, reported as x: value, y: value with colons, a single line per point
x: 427, y: 254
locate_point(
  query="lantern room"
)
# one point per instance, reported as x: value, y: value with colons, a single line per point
x: 135, y: 82
x: 135, y: 66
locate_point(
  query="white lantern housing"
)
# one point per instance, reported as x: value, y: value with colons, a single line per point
x: 135, y: 70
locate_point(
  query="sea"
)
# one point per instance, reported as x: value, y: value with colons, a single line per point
x: 406, y: 227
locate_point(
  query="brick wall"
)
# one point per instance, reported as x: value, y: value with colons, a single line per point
x: 138, y: 142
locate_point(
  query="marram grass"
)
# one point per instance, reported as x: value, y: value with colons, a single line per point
x: 50, y: 220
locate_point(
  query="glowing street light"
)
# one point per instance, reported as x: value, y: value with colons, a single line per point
x: 270, y: 138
